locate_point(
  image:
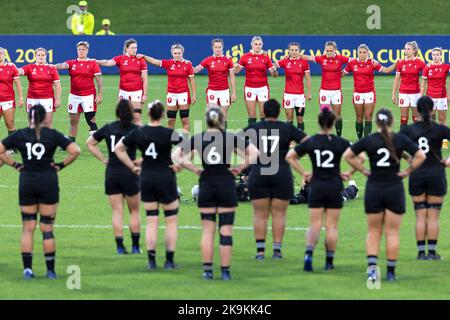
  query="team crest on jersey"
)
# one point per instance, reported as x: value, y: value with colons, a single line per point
x: 249, y: 60
x: 125, y: 63
x: 213, y: 64
x: 34, y: 71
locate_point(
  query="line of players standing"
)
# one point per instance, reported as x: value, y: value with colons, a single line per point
x: 269, y: 192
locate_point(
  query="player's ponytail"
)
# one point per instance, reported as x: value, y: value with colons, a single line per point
x: 326, y: 119
x: 425, y: 107
x: 384, y: 122
x: 36, y: 117
x: 214, y: 118
x: 124, y: 112
x: 155, y: 110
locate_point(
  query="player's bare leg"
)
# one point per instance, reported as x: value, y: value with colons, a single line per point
x: 8, y: 116
x: 137, y: 112
x: 289, y: 115
x: 359, y: 126
x: 415, y: 114
x: 374, y: 233
x: 151, y: 232
x: 171, y: 119
x: 404, y: 116
x: 337, y: 111
x: 421, y: 224
x: 278, y: 208
x: 207, y: 241
x: 261, y: 210
x: 226, y: 219
x: 261, y: 110
x: 135, y: 220
x: 48, y: 215
x: 251, y: 111
x: 171, y: 233
x: 392, y: 224
x: 185, y: 119
x: 29, y: 221
x: 116, y: 202
x: 442, y: 117
x: 434, y: 210
x: 225, y: 115
x: 368, y: 116
x: 48, y: 122
x: 332, y: 220
x: 312, y: 236
x: 73, y: 129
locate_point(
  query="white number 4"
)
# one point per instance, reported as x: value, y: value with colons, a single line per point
x: 151, y: 151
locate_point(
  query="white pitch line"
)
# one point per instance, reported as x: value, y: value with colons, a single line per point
x: 87, y: 226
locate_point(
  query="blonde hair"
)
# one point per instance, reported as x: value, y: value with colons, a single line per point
x: 177, y: 46
x: 363, y: 46
x: 256, y: 38
x: 83, y: 43
x: 331, y: 43
x: 414, y: 45
x: 434, y: 49
x: 127, y: 44
x: 40, y: 49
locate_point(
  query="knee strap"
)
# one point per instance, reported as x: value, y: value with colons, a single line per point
x: 152, y: 213
x: 169, y: 213
x: 48, y: 235
x: 171, y: 114
x: 184, y: 113
x: 437, y: 206
x: 47, y: 219
x: 226, y: 218
x: 89, y: 116
x: 420, y: 205
x: 137, y: 111
x: 226, y: 240
x: 208, y: 216
x: 29, y: 216
x: 299, y: 113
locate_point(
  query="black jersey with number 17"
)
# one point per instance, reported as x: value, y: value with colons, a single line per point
x: 383, y: 167
x: 429, y: 139
x: 325, y: 152
x: 37, y: 154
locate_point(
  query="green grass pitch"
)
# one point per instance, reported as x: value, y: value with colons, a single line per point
x: 84, y: 233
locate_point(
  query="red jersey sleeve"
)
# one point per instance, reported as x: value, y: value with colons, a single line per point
x: 143, y: 64
x: 118, y: 60
x: 343, y: 59
x: 230, y: 64
x: 399, y: 67
x: 269, y: 63
x: 243, y: 61
x: 306, y: 66
x: 377, y: 66
x: 69, y: 63
x: 281, y: 63
x: 204, y: 63
x: 319, y: 59
x: 165, y: 64
x: 26, y: 69
x: 425, y: 72
x: 422, y: 65
x: 15, y: 72
x: 55, y: 75
x: 348, y: 68
x: 190, y: 70
x: 97, y: 70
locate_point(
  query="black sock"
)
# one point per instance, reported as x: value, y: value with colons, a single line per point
x: 391, y: 266
x: 251, y: 121
x: 290, y: 122
x: 263, y: 119
x: 330, y: 256
x: 225, y: 269
x: 119, y: 242
x: 27, y: 259
x: 50, y: 261
x: 367, y: 128
x: 73, y: 139
x: 135, y: 238
x: 208, y: 267
x: 432, y: 246
x: 421, y: 246
x: 301, y: 126
x: 169, y: 256
x: 339, y: 127
x: 359, y: 129
x: 277, y: 247
x: 225, y: 124
x: 372, y: 260
x: 260, y: 246
x: 309, y: 250
x: 151, y: 255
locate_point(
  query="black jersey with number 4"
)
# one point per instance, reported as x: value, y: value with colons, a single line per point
x: 112, y: 133
x: 429, y: 139
x: 273, y: 139
x: 215, y: 148
x: 325, y: 152
x: 382, y: 166
x: 37, y: 154
x: 155, y: 144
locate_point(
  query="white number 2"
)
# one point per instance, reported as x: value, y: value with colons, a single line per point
x: 36, y: 150
x: 384, y: 162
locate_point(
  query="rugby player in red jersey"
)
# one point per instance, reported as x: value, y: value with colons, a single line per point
x: 330, y: 87
x: 364, y: 95
x: 133, y: 77
x: 9, y: 75
x: 219, y: 68
x: 180, y: 74
x: 256, y: 87
x: 434, y: 84
x: 83, y: 97
x: 295, y: 69
x: 408, y: 71
x: 43, y: 79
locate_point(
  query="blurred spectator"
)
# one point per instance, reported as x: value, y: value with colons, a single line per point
x: 106, y: 29
x: 83, y: 22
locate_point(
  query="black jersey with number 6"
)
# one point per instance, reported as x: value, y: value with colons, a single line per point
x: 112, y: 133
x: 155, y: 144
x: 383, y: 166
x: 272, y: 139
x: 325, y: 152
x: 37, y: 154
x: 429, y: 139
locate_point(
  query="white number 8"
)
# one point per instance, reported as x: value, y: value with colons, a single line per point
x: 423, y: 144
x: 36, y: 150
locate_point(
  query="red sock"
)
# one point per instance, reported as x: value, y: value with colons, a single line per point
x: 403, y: 121
x: 414, y: 119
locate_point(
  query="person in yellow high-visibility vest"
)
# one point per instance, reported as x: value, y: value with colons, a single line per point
x: 83, y: 22
x: 106, y: 31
